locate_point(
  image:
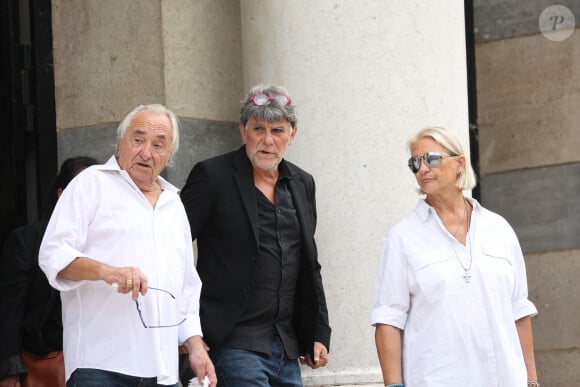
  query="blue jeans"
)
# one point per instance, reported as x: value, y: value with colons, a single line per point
x: 243, y: 368
x: 90, y: 377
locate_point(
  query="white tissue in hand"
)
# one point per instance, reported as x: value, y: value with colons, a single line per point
x: 195, y: 383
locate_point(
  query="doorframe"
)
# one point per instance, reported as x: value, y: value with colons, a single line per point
x: 472, y: 95
x: 27, y: 104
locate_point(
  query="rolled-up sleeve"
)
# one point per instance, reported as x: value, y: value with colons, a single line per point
x: 391, y: 287
x: 65, y: 235
x: 191, y: 289
x: 191, y: 292
x: 521, y: 305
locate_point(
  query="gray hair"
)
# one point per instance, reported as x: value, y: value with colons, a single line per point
x: 153, y: 108
x: 271, y: 112
x: 450, y: 141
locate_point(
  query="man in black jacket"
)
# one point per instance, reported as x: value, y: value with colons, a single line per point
x: 253, y: 214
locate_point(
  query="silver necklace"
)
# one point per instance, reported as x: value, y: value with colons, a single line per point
x: 466, y: 270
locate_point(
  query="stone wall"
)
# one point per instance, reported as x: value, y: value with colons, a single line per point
x: 528, y: 98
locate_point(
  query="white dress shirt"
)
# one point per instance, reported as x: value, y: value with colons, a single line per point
x: 103, y: 215
x: 456, y: 334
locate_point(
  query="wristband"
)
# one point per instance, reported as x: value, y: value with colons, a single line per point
x: 396, y: 385
x: 533, y: 383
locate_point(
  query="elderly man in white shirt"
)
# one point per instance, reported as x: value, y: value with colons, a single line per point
x: 118, y: 247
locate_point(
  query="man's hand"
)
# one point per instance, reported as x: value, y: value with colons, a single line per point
x: 123, y: 279
x: 126, y: 280
x: 10, y: 381
x: 199, y: 360
x: 320, y: 357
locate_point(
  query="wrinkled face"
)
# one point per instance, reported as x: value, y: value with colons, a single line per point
x: 434, y: 180
x: 266, y: 142
x: 145, y: 148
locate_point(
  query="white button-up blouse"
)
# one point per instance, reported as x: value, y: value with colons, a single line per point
x: 455, y: 333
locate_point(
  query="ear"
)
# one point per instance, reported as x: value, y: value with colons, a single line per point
x: 293, y: 134
x: 242, y: 132
x: 461, y: 167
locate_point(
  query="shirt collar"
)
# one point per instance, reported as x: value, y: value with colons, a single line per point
x: 423, y: 209
x: 285, y: 171
x: 113, y: 165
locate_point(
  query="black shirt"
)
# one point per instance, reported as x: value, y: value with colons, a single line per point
x: 271, y: 303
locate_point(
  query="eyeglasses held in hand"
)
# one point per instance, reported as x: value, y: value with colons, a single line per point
x: 431, y: 159
x: 156, y: 326
x: 263, y: 99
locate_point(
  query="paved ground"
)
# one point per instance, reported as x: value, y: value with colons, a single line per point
x: 358, y: 385
x: 348, y: 385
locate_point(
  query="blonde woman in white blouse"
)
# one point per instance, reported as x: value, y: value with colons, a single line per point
x: 451, y: 300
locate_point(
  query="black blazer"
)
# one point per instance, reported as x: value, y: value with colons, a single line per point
x: 220, y: 200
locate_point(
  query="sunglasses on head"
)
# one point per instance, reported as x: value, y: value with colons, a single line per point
x: 431, y: 159
x: 263, y: 99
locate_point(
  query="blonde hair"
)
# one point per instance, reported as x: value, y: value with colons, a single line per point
x: 450, y: 141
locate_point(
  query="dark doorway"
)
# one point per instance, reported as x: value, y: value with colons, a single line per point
x: 472, y: 95
x: 28, y: 148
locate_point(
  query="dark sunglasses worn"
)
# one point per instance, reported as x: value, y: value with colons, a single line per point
x: 431, y: 159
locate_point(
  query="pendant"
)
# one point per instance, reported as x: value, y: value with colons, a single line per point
x: 467, y: 277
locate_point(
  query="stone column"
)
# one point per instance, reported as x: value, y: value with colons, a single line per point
x: 111, y: 55
x: 365, y: 75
